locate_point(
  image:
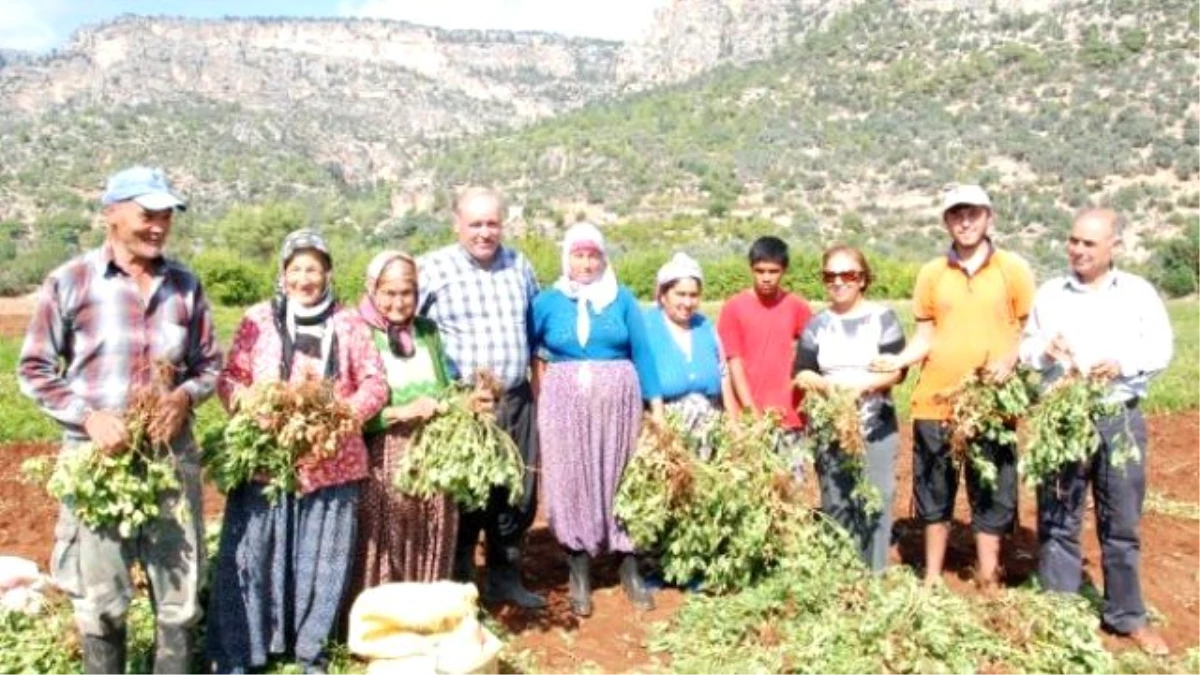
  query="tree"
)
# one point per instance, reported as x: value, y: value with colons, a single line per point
x: 1175, y: 262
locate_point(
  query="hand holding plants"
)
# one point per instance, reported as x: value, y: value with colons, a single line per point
x: 107, y: 431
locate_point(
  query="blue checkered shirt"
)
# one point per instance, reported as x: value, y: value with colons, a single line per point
x: 483, y: 315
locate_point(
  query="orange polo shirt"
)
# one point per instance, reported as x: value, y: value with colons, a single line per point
x: 977, y: 318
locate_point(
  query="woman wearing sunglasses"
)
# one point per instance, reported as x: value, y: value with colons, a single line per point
x: 834, y: 351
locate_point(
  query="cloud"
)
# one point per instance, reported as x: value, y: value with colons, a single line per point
x: 31, y: 25
x: 610, y: 19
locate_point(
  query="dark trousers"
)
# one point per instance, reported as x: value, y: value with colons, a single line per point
x: 503, y: 523
x: 1118, y: 494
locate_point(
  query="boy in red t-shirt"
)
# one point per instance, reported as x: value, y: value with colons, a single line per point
x: 758, y: 329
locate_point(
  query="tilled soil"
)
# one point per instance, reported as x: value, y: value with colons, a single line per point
x: 613, y: 638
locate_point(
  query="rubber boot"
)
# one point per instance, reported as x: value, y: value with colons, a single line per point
x: 633, y: 584
x: 504, y: 580
x: 580, y: 584
x: 104, y: 653
x: 172, y: 650
x: 463, y: 567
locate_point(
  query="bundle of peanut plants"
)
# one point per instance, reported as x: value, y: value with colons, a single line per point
x: 463, y: 452
x: 277, y: 426
x: 724, y: 520
x: 122, y: 488
x: 835, y: 427
x: 984, y: 411
x: 1062, y: 428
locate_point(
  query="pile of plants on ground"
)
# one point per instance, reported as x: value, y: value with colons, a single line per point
x: 783, y: 587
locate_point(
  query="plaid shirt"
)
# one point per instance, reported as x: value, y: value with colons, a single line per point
x: 92, y: 338
x: 483, y: 315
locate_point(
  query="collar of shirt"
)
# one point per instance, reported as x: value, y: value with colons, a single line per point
x: 953, y: 259
x: 501, y: 261
x: 1074, y: 283
x: 106, y: 264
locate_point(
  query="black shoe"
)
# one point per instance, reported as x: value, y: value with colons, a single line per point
x: 633, y: 585
x: 580, y: 584
x: 104, y: 653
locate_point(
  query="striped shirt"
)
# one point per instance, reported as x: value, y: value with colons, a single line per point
x: 1122, y: 319
x: 483, y: 315
x: 92, y: 337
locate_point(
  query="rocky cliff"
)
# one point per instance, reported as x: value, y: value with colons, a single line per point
x: 415, y: 79
x: 689, y: 37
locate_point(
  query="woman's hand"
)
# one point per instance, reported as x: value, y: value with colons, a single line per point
x: 886, y: 363
x: 420, y: 410
x: 809, y: 380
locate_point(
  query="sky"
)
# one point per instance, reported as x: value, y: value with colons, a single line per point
x: 40, y: 25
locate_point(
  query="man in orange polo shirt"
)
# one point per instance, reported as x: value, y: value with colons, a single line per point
x: 970, y: 306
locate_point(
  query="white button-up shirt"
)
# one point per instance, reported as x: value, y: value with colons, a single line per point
x: 1120, y: 319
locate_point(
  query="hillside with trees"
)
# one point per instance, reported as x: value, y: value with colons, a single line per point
x: 818, y: 121
x: 851, y: 131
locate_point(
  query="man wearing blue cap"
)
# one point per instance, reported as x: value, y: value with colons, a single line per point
x: 110, y: 316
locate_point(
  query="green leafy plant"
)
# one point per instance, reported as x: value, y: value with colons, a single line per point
x: 1062, y: 428
x: 723, y: 520
x: 984, y: 411
x: 462, y: 452
x: 835, y: 429
x: 822, y: 611
x: 278, y: 427
x: 122, y: 488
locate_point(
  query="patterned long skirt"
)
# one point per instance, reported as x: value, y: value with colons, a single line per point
x: 280, y: 574
x: 589, y: 416
x: 400, y: 538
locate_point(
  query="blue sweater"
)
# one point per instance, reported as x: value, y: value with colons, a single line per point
x: 617, y: 333
x: 676, y: 374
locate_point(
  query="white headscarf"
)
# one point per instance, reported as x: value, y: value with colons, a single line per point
x: 600, y: 293
x: 680, y: 266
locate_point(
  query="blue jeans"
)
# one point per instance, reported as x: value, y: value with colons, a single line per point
x: 1118, y: 494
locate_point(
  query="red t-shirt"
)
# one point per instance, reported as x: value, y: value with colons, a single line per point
x: 764, y: 337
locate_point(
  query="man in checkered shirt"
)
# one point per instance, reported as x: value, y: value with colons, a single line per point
x: 104, y: 321
x: 480, y: 292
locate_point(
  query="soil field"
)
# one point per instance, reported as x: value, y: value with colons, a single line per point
x: 612, y: 640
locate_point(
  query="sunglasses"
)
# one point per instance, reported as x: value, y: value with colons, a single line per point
x: 849, y: 276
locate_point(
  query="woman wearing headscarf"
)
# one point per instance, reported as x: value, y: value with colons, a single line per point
x: 595, y: 369
x: 401, y: 538
x: 282, y: 568
x: 687, y: 352
x: 834, y: 352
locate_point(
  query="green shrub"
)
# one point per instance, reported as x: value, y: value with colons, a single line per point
x: 230, y: 279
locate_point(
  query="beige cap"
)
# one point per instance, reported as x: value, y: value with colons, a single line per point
x: 964, y: 194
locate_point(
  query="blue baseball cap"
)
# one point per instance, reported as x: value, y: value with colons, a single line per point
x: 144, y: 185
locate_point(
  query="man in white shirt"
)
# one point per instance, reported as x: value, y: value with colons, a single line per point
x: 1107, y: 322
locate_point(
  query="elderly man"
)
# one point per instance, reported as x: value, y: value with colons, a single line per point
x: 109, y: 316
x: 970, y: 306
x: 480, y: 292
x: 1100, y: 321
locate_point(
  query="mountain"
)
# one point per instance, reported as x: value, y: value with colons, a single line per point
x: 246, y: 108
x: 14, y: 56
x: 822, y: 119
x: 854, y: 123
